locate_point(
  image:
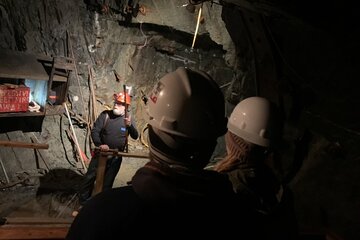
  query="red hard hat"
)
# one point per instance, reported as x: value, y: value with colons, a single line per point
x: 120, y: 97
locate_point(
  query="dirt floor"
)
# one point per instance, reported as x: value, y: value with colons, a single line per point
x: 55, y: 196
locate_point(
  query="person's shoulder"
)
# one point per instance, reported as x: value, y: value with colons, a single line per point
x: 107, y: 213
x: 115, y: 196
x: 219, y: 179
x: 106, y: 112
x: 111, y: 202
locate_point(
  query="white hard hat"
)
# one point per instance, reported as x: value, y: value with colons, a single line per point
x: 252, y: 119
x: 187, y: 103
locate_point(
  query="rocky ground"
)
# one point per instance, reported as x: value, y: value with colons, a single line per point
x: 53, y: 195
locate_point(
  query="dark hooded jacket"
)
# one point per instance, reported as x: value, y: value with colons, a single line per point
x: 165, y: 202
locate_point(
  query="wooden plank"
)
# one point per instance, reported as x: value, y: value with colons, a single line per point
x: 37, y: 220
x: 22, y: 114
x: 15, y: 64
x: 16, y: 144
x: 52, y: 231
x: 123, y: 154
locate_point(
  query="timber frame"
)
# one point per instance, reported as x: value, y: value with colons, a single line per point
x: 54, y: 70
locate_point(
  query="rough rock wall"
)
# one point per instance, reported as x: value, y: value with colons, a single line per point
x: 140, y: 52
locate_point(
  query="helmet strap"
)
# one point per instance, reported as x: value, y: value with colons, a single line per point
x: 174, y: 150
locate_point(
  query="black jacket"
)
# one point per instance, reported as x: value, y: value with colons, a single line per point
x: 261, y: 191
x: 165, y: 203
x: 112, y: 131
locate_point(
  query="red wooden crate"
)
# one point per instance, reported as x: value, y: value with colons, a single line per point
x: 14, y: 98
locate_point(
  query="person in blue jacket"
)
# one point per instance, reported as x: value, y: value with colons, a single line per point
x: 110, y: 131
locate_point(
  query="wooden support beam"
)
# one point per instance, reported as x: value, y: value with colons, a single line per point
x: 100, y: 174
x: 23, y: 144
x: 35, y: 228
x: 123, y: 154
x: 42, y: 231
x: 37, y: 220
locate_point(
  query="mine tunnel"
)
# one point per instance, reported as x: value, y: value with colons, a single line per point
x: 61, y: 62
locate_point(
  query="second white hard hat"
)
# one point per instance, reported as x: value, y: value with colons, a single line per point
x: 251, y: 120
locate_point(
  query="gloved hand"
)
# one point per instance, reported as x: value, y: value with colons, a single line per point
x: 128, y: 121
x: 104, y: 147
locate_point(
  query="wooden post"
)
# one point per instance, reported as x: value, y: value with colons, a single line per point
x: 100, y: 174
x: 100, y: 171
